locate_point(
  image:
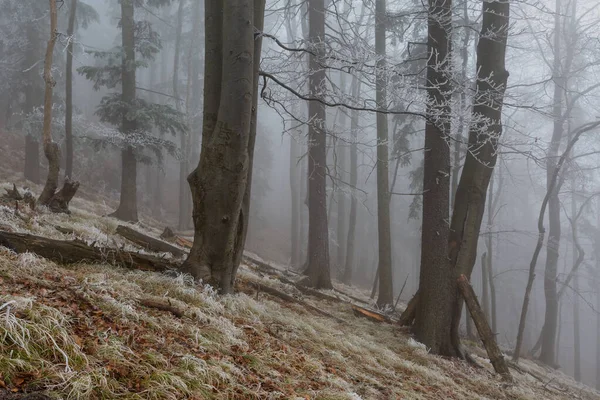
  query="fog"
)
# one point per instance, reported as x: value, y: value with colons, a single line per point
x: 510, y: 221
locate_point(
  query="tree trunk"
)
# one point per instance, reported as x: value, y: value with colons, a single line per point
x: 127, y: 210
x: 183, y: 166
x: 69, y: 93
x: 386, y: 295
x: 485, y: 332
x: 317, y: 271
x: 485, y: 296
x: 51, y: 149
x: 295, y: 262
x: 244, y: 216
x: 221, y: 183
x: 465, y: 226
x: 32, y: 99
x: 576, y: 323
x: 350, y: 241
x: 492, y: 209
x: 437, y: 286
x: 550, y: 320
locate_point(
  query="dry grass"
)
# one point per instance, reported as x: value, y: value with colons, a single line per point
x: 80, y: 332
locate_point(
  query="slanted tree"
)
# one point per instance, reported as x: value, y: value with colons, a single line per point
x: 133, y: 116
x: 438, y: 308
x: 222, y: 181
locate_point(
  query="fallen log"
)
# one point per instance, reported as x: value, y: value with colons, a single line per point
x: 485, y: 332
x: 312, y: 292
x: 148, y: 242
x: 260, y: 287
x: 370, y: 314
x: 75, y: 251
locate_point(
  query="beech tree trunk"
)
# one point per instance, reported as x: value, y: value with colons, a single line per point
x: 51, y: 149
x: 386, y: 294
x: 484, y: 134
x: 437, y: 286
x: 317, y: 271
x: 440, y: 321
x: 350, y: 241
x: 183, y: 164
x: 69, y: 93
x: 221, y: 183
x: 127, y: 210
x: 547, y: 354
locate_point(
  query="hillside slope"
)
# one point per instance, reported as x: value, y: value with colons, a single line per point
x: 90, y: 331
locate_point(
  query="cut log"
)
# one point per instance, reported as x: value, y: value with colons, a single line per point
x: 370, y: 314
x: 148, y: 242
x: 74, y: 251
x: 485, y: 332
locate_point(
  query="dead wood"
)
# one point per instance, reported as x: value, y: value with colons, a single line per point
x: 148, y: 242
x: 408, y: 316
x: 167, y: 234
x: 370, y: 314
x: 66, y: 231
x: 350, y: 296
x: 312, y: 292
x: 12, y: 194
x: 260, y: 287
x: 485, y: 332
x: 163, y: 305
x: 75, y: 251
x: 59, y: 203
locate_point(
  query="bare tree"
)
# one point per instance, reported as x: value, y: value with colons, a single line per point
x: 69, y: 93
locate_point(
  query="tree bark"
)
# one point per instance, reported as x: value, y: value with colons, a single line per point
x: 69, y: 93
x: 32, y: 100
x: 183, y: 164
x: 221, y: 182
x: 317, y: 271
x: 437, y: 287
x: 485, y: 295
x: 386, y: 295
x: 552, y: 248
x: 350, y: 241
x: 127, y: 210
x: 51, y: 149
x: 148, y: 242
x: 258, y: 15
x: 485, y: 332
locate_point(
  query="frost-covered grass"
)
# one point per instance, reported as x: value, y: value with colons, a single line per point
x: 80, y: 332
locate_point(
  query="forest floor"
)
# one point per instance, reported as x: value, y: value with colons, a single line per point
x: 81, y: 332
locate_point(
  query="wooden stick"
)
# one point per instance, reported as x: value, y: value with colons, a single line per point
x: 485, y: 332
